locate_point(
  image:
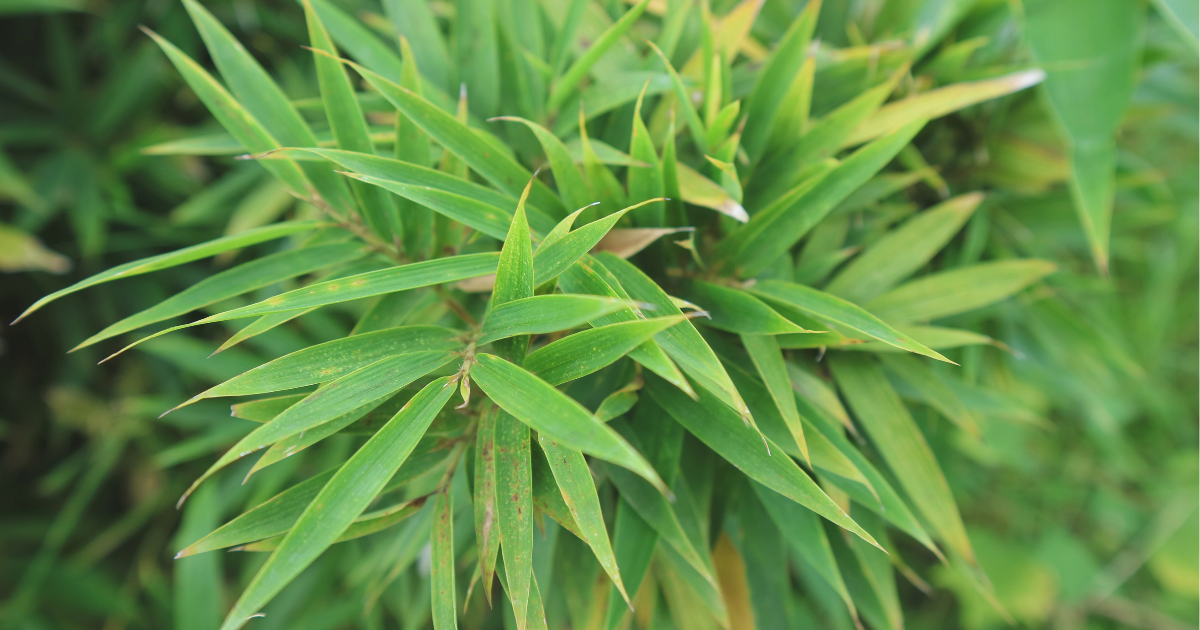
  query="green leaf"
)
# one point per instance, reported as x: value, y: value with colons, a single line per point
x: 900, y: 443
x: 567, y: 178
x: 936, y: 392
x: 514, y: 489
x: 270, y: 518
x: 903, y: 250
x: 556, y: 257
x: 179, y: 257
x: 487, y: 534
x: 365, y: 385
x: 768, y: 359
x: 585, y: 352
x: 263, y: 99
x: 574, y: 478
x: 683, y: 100
x: 416, y: 23
x: 566, y: 84
x: 838, y: 311
x: 722, y: 431
x: 699, y: 190
x: 343, y: 499
x: 552, y: 413
x: 633, y: 542
x: 654, y: 508
x: 253, y: 275
x: 683, y: 342
x: 939, y: 102
x: 331, y: 360
x: 947, y: 293
x: 1091, y: 52
x: 772, y: 232
x: 736, y: 311
x: 478, y: 56
x: 499, y: 169
x: 803, y: 531
x: 239, y: 122
x: 616, y: 405
x: 548, y: 498
x: 772, y: 83
x: 349, y: 127
x: 645, y: 182
x: 365, y: 525
x: 870, y: 569
x: 441, y: 556
x: 514, y: 282
x: 545, y: 314
x: 934, y: 337
x: 588, y: 276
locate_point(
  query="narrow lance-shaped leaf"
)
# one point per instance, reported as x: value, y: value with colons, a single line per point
x: 567, y: 178
x: 721, y: 430
x: 739, y: 312
x: 772, y: 83
x: 684, y: 101
x: 900, y: 443
x: 333, y: 359
x: 545, y: 314
x: 180, y: 257
x: 958, y: 290
x: 487, y: 534
x: 514, y: 494
x: 514, y: 279
x: 441, y: 556
x: 939, y: 102
x: 499, y: 169
x: 349, y: 127
x: 342, y: 499
x: 365, y: 525
x: 259, y: 94
x: 836, y: 310
x: 574, y: 478
x: 233, y: 282
x: 556, y: 257
x: 370, y: 284
x: 566, y: 84
x: 239, y: 122
x: 768, y: 358
x: 350, y: 392
x: 554, y: 414
x: 902, y: 251
x: 585, y: 352
x: 645, y: 182
x: 769, y: 235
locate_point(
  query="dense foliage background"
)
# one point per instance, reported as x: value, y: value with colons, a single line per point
x: 1081, y: 503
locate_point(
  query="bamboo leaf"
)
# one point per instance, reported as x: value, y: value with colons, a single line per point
x: 939, y: 102
x: 514, y: 282
x: 545, y: 314
x: 365, y: 525
x: 736, y: 311
x: 647, y: 182
x: 358, y: 388
x: 569, y: 81
x: 768, y: 359
x: 772, y: 84
x: 721, y: 430
x: 839, y: 311
x: 556, y: 257
x: 547, y: 497
x: 180, y: 257
x: 900, y: 443
x: 343, y: 499
x: 771, y: 233
x: 331, y: 360
x: 683, y: 100
x: 633, y: 542
x: 497, y: 168
x: 567, y: 178
x: 514, y: 491
x: 441, y: 572
x: 487, y: 534
x: 574, y: 478
x: 233, y: 282
x: 903, y: 251
x: 349, y: 126
x: 933, y: 390
x: 959, y: 290
x: 551, y: 413
x: 232, y: 115
x: 585, y: 352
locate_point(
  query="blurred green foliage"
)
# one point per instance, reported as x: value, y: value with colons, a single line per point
x: 1079, y: 494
